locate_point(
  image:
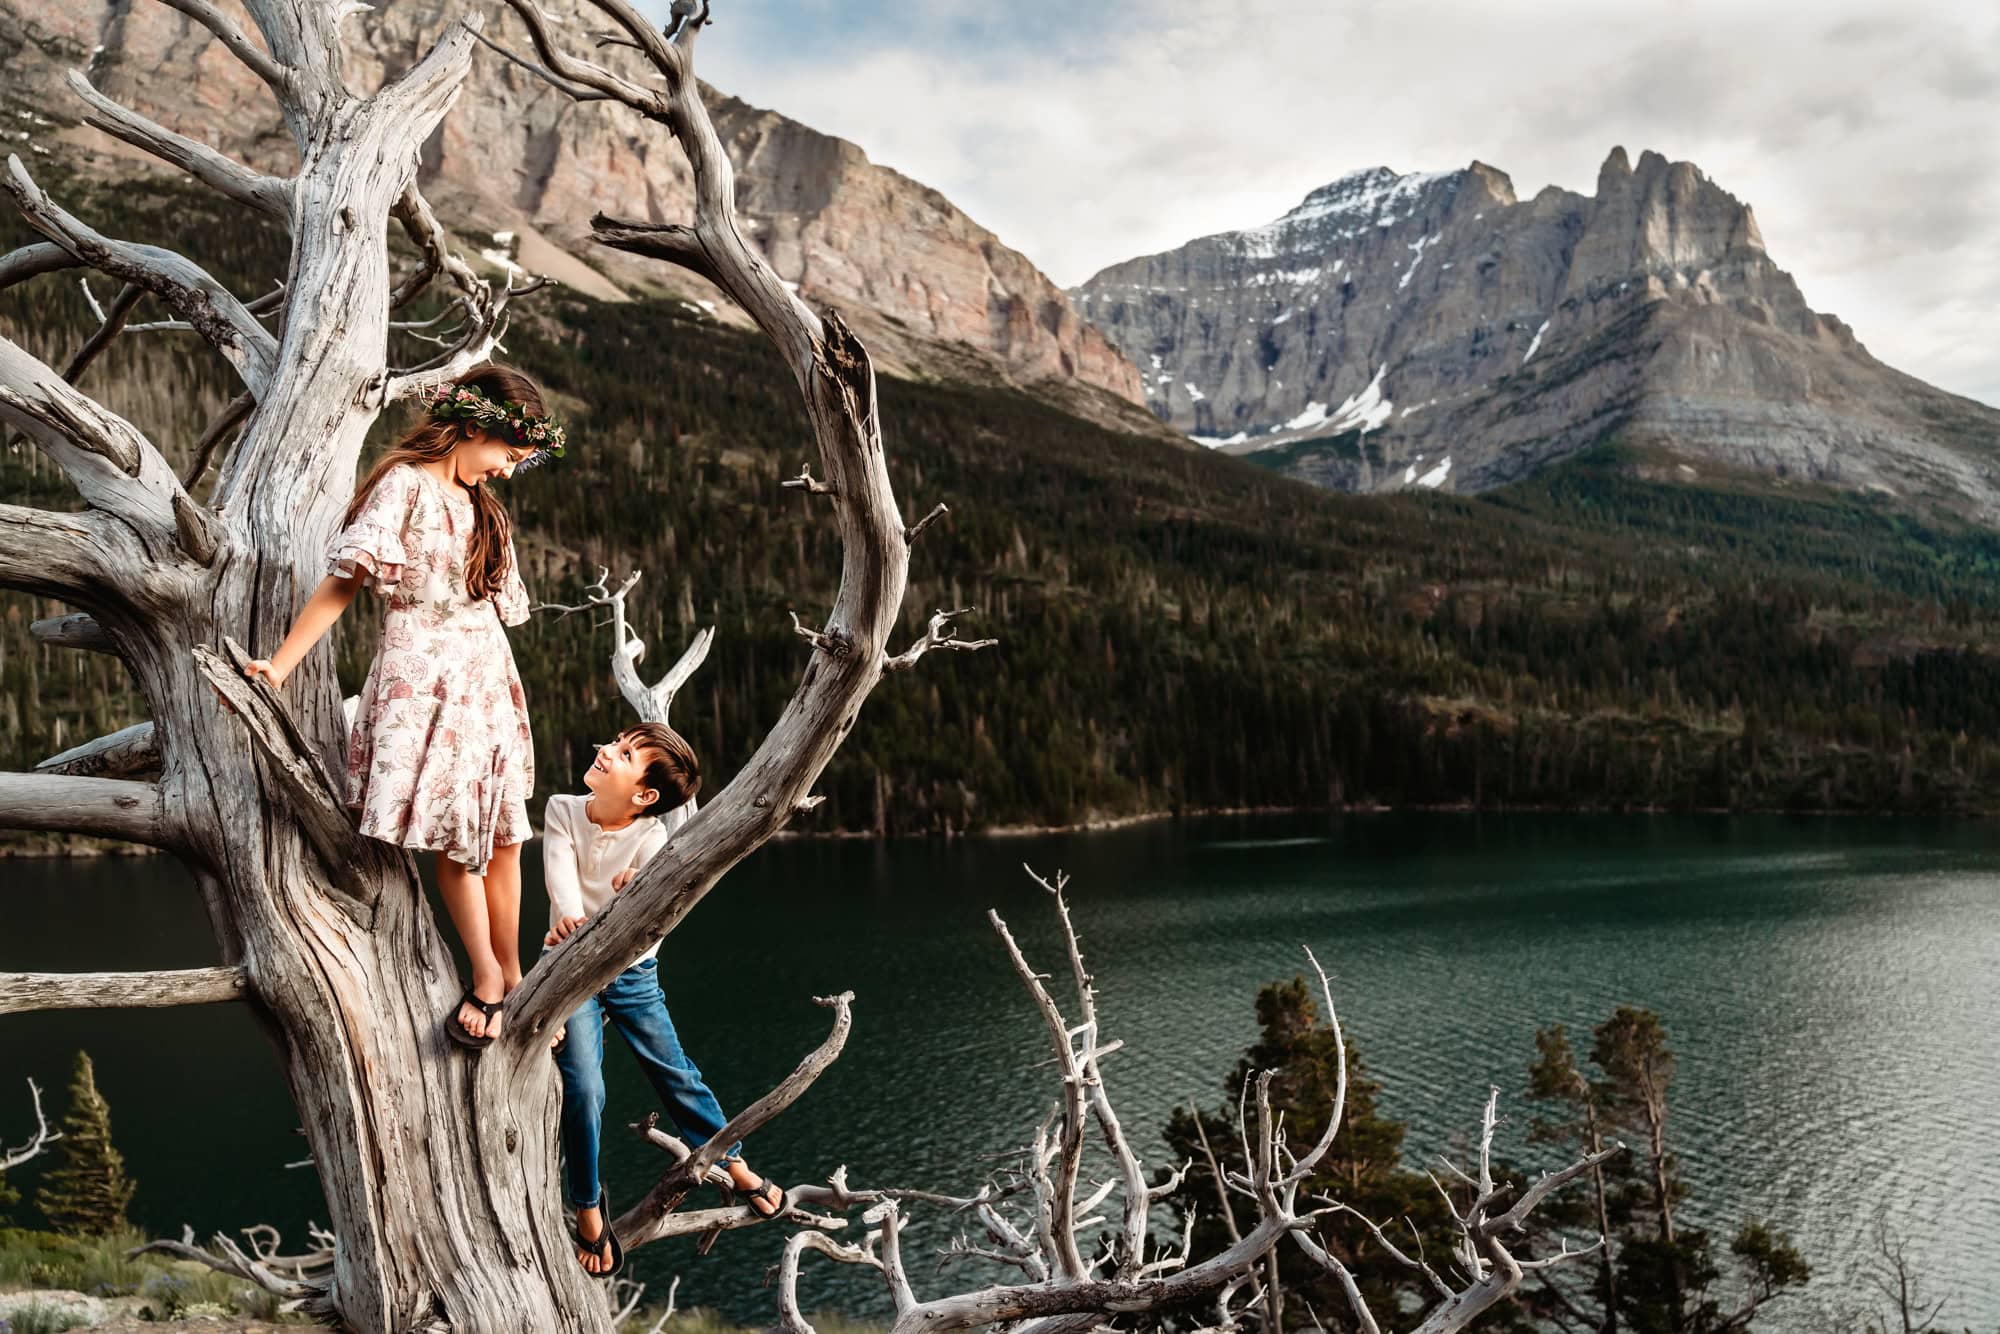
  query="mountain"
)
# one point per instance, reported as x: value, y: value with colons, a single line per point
x: 1433, y: 330
x: 930, y: 290
x: 1178, y: 630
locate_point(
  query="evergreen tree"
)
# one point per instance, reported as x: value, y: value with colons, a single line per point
x: 1363, y: 1169
x: 1656, y: 1276
x: 87, y: 1195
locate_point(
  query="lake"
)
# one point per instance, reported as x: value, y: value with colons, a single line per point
x: 1829, y: 986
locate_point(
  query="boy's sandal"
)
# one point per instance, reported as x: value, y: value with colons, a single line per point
x: 456, y: 1031
x: 755, y: 1196
x: 606, y: 1240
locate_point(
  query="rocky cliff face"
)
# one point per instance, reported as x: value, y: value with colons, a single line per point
x: 515, y: 156
x: 1433, y: 330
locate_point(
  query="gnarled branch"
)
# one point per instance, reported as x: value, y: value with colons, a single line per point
x: 1065, y: 1296
x: 669, y: 241
x: 56, y: 555
x: 182, y: 285
x: 652, y: 703
x: 114, y: 466
x: 219, y: 172
x: 938, y: 633
x: 237, y: 43
x: 647, y: 1220
x: 77, y: 630
x: 99, y: 807
x: 126, y: 753
x: 21, y: 992
x: 32, y: 261
x: 570, y: 70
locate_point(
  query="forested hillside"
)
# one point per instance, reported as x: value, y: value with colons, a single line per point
x: 1177, y: 630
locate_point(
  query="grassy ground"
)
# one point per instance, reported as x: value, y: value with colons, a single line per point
x: 136, y: 1292
x: 145, y: 1286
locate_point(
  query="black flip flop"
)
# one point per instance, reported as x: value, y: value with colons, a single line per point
x: 754, y: 1195
x: 604, y: 1238
x: 456, y: 1031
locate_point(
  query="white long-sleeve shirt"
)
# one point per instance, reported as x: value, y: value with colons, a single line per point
x: 579, y: 859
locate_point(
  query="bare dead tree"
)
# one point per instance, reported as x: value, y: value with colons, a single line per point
x: 1895, y: 1277
x: 438, y: 1167
x: 653, y: 702
x: 301, y: 1282
x: 1082, y: 1264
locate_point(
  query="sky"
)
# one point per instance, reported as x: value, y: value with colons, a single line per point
x: 1865, y: 136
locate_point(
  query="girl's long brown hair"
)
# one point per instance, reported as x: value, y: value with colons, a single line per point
x: 432, y: 439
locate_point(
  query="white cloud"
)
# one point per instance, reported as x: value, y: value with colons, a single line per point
x: 1862, y: 136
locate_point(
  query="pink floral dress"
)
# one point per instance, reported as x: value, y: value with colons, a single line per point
x: 440, y: 757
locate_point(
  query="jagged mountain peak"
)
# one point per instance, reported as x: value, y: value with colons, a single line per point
x: 1468, y: 337
x: 932, y: 290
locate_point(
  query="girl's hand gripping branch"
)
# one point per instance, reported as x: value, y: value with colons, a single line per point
x: 333, y: 596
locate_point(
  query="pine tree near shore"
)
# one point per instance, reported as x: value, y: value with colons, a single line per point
x: 88, y: 1194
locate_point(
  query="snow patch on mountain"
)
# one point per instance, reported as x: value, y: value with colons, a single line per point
x: 1363, y: 198
x: 1535, y: 342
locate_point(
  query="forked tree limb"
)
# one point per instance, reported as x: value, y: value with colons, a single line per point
x: 113, y: 323
x: 653, y: 703
x: 938, y: 633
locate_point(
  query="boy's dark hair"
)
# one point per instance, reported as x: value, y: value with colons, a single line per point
x: 671, y: 768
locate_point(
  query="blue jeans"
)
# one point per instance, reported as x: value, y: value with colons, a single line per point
x: 633, y: 1002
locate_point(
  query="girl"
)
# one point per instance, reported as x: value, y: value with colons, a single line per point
x: 440, y: 756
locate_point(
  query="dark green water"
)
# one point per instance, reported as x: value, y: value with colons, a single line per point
x: 1830, y: 987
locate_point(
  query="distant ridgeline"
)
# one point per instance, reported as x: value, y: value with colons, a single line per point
x: 1179, y: 630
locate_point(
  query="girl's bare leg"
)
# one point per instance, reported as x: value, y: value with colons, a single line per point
x: 503, y: 912
x: 465, y: 899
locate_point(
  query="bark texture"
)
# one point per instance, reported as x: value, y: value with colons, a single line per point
x: 438, y: 1165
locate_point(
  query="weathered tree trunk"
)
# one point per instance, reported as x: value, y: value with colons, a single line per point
x: 438, y: 1165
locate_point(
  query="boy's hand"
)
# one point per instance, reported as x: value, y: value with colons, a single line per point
x: 622, y: 879
x: 562, y: 930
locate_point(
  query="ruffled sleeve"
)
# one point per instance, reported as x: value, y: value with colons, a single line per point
x: 373, y: 546
x: 512, y: 599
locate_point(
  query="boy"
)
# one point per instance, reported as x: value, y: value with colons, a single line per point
x: 642, y: 787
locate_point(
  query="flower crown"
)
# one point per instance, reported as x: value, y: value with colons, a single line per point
x: 468, y: 403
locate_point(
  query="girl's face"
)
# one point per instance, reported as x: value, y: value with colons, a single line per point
x: 481, y: 457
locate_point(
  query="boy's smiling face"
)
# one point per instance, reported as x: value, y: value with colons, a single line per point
x: 617, y: 776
